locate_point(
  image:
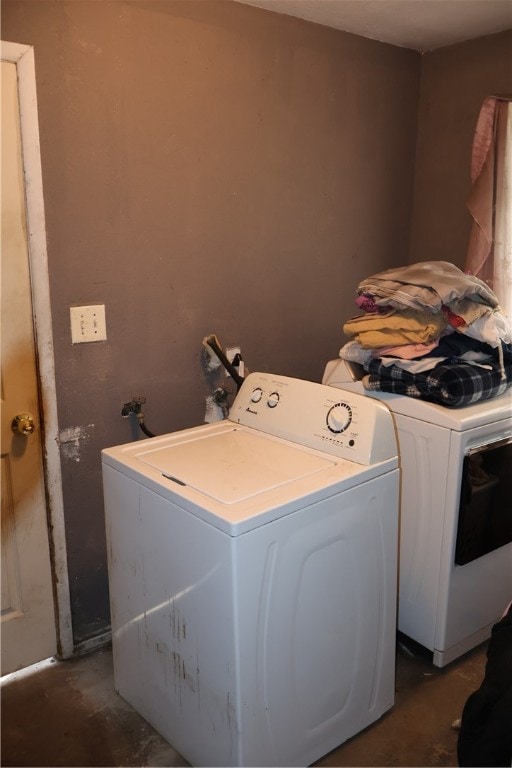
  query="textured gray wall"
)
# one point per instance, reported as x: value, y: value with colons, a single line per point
x: 207, y: 167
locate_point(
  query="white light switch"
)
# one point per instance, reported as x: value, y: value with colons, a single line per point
x: 88, y: 323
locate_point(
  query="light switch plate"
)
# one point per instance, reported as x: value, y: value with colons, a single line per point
x: 88, y: 323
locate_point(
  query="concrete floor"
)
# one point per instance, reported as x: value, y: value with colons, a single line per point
x: 68, y: 714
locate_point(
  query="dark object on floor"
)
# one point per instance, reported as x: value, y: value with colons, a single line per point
x: 485, y: 736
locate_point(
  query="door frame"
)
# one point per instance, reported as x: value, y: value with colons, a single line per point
x: 23, y: 57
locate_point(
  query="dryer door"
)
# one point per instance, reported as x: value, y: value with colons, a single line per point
x: 485, y: 515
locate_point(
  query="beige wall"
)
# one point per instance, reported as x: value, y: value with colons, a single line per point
x: 209, y: 167
x: 454, y: 83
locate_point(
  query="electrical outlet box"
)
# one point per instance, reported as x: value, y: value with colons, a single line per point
x: 88, y: 323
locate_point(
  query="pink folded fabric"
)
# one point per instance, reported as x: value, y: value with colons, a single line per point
x: 406, y: 351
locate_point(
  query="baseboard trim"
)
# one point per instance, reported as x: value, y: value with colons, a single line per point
x: 93, y: 644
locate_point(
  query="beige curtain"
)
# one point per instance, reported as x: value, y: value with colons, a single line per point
x: 490, y: 201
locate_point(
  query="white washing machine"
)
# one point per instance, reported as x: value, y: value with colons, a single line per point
x: 253, y: 574
x: 456, y: 516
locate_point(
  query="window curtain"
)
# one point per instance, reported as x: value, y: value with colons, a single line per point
x: 490, y: 201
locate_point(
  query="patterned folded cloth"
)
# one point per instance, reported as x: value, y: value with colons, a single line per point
x: 453, y: 383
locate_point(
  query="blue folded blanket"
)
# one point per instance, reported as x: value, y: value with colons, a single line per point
x: 453, y: 383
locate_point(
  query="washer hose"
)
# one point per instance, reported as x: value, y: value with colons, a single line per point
x: 140, y: 419
x: 212, y: 343
x: 134, y: 408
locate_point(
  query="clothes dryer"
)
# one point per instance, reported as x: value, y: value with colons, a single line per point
x: 253, y: 571
x: 456, y: 516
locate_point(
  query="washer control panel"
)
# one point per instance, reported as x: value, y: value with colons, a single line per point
x: 346, y: 424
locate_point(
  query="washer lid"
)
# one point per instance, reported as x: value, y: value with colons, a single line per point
x: 234, y: 465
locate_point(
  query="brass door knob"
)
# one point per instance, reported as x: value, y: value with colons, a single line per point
x: 23, y: 424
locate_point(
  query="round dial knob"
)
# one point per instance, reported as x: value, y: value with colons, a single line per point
x: 273, y: 399
x: 256, y: 395
x: 339, y: 417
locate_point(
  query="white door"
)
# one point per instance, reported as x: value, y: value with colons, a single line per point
x: 28, y: 615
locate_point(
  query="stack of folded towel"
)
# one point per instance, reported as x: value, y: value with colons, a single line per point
x: 430, y: 331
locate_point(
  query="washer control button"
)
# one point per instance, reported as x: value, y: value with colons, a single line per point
x: 273, y: 399
x: 339, y: 417
x: 256, y: 395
